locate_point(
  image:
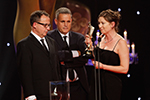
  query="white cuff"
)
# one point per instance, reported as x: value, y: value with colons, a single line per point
x: 32, y: 97
x: 75, y: 53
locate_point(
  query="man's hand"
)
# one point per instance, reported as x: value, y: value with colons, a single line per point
x: 79, y: 52
x: 32, y: 97
x: 62, y: 63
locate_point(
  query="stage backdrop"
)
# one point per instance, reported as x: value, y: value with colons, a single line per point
x: 136, y: 25
x: 9, y: 81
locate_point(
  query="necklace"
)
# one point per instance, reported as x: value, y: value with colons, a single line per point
x: 110, y: 39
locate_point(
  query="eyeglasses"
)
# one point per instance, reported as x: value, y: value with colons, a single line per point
x: 45, y: 25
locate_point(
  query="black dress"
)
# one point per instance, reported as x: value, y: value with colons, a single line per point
x: 111, y: 84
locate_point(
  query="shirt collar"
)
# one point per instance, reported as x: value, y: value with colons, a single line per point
x: 63, y: 34
x: 36, y: 36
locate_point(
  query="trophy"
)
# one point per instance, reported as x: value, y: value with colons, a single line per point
x: 88, y: 51
x: 59, y: 90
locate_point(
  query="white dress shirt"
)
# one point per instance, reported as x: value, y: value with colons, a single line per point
x: 39, y: 39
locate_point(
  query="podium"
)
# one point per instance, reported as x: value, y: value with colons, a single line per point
x: 59, y: 90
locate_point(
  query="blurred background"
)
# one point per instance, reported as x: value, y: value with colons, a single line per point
x: 14, y: 25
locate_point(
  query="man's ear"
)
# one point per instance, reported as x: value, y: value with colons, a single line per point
x: 55, y: 21
x: 34, y: 25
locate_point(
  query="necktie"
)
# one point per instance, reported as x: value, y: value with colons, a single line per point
x: 65, y: 42
x: 44, y: 46
x: 71, y: 73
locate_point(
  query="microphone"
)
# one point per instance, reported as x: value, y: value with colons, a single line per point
x: 99, y: 38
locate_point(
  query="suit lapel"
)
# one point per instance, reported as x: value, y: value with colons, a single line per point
x: 72, y: 40
x: 59, y: 39
x: 37, y: 43
x: 48, y: 43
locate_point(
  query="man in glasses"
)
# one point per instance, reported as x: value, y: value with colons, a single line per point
x: 37, y: 59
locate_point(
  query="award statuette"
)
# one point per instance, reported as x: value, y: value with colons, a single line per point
x: 88, y: 51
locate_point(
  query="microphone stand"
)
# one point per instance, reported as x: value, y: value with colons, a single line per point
x: 98, y: 58
x: 97, y: 77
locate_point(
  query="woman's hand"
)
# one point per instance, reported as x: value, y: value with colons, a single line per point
x: 88, y: 40
x: 97, y: 64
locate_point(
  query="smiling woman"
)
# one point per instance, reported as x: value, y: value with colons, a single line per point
x: 112, y: 56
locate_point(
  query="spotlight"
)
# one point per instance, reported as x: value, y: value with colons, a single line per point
x: 128, y: 75
x: 8, y: 44
x: 119, y: 9
x: 139, y: 98
x: 138, y: 12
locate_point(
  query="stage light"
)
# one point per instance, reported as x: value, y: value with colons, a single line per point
x: 138, y: 12
x: 139, y: 98
x: 8, y: 44
x: 119, y: 9
x: 128, y: 75
x: 0, y: 83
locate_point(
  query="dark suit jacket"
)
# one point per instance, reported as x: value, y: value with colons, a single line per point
x: 76, y: 42
x: 37, y: 67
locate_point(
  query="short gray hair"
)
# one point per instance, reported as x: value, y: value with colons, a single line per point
x: 62, y: 10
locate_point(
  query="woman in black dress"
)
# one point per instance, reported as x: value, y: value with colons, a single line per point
x: 113, y: 55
